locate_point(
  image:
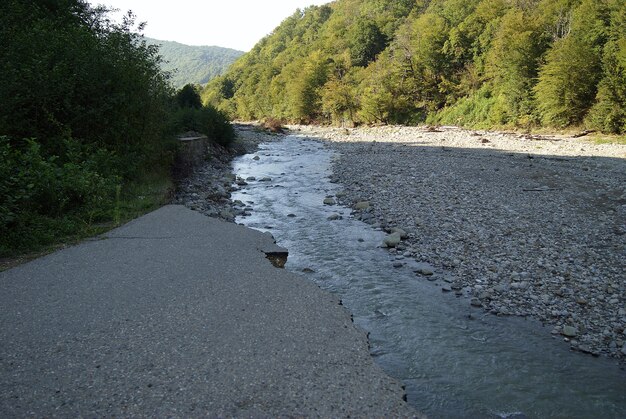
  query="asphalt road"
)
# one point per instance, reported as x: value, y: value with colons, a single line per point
x: 179, y: 315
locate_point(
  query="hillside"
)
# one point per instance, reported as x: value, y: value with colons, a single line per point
x: 194, y: 64
x: 479, y: 63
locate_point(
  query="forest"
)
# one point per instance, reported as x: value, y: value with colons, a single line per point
x: 193, y: 64
x: 479, y: 63
x: 88, y: 122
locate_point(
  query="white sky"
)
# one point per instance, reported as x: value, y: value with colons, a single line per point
x: 237, y: 24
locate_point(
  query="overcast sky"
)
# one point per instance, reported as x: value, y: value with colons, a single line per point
x: 237, y: 24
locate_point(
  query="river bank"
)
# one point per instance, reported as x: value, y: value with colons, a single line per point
x: 208, y: 189
x: 521, y: 225
x: 531, y: 226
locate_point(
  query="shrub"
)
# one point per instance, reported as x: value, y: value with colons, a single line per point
x: 206, y: 120
x: 273, y: 125
x: 43, y: 197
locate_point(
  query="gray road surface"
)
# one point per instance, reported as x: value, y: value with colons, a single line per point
x: 176, y: 314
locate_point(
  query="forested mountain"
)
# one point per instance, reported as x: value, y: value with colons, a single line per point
x: 193, y: 64
x: 522, y: 63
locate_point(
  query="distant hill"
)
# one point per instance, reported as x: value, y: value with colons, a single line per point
x: 192, y: 64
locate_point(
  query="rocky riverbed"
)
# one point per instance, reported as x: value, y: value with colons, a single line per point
x: 208, y: 189
x: 521, y: 225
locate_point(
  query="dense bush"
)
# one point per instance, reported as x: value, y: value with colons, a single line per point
x: 190, y: 115
x: 85, y: 117
x: 47, y: 191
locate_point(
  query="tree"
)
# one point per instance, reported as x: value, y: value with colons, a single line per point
x: 569, y: 77
x: 511, y: 66
x: 188, y: 97
x: 609, y: 112
x: 366, y: 41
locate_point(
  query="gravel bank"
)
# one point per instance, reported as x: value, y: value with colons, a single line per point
x: 520, y: 225
x: 209, y: 187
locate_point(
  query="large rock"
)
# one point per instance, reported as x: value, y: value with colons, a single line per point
x: 569, y: 331
x: 403, y: 234
x: 392, y: 240
x: 329, y: 201
x: 361, y: 206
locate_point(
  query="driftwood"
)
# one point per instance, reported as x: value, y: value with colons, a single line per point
x: 582, y: 134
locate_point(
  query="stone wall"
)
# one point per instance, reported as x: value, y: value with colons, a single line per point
x: 192, y: 151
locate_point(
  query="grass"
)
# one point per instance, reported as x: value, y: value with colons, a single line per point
x: 135, y: 199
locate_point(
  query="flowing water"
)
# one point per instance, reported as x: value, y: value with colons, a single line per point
x: 455, y: 361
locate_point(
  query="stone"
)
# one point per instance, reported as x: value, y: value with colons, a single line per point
x: 398, y: 264
x: 362, y: 205
x: 403, y: 234
x: 425, y: 271
x: 250, y: 179
x: 392, y: 240
x: 624, y: 350
x: 569, y: 331
x: 256, y: 158
x: 475, y: 302
x: 329, y: 201
x: 265, y: 179
x: 446, y: 288
x: 334, y: 217
x: 227, y: 215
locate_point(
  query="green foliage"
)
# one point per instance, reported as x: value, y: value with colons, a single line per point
x: 46, y: 191
x: 519, y: 63
x: 188, y: 97
x: 206, y: 120
x: 85, y: 112
x: 70, y: 74
x: 573, y: 68
x: 609, y: 112
x: 474, y: 111
x: 366, y: 41
x: 193, y: 64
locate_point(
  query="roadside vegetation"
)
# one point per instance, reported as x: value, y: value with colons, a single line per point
x: 522, y: 64
x: 88, y: 123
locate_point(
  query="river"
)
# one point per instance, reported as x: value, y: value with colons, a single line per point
x: 456, y: 361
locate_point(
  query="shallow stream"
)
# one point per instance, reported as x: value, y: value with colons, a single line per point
x: 456, y: 361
